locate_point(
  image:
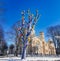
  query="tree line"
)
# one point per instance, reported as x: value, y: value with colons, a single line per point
x: 52, y: 32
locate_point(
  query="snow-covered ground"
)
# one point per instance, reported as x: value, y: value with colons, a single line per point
x: 30, y: 59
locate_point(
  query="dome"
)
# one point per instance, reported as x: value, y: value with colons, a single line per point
x: 50, y: 41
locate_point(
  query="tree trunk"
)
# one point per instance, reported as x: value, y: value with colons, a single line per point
x: 24, y: 52
x: 16, y: 50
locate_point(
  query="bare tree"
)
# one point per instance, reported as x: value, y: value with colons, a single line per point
x: 11, y: 47
x: 52, y: 32
x: 13, y: 35
x: 22, y: 30
x: 1, y: 33
x: 3, y: 44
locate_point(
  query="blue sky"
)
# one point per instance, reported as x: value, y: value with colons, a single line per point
x: 49, y: 10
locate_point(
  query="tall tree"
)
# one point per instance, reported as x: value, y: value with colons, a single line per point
x: 22, y: 29
x: 3, y: 44
x: 25, y: 29
x: 1, y: 33
x: 13, y: 35
x: 11, y: 48
x: 52, y: 32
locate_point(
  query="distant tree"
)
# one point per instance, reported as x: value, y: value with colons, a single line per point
x: 1, y: 38
x: 14, y: 35
x: 11, y: 48
x: 1, y: 33
x: 4, y: 47
x: 52, y: 32
x: 3, y: 44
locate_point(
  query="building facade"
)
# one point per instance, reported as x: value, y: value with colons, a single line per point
x: 38, y: 45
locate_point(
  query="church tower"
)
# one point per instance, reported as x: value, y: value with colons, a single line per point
x: 42, y: 36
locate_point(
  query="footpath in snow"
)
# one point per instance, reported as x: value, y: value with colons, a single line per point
x: 30, y: 59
